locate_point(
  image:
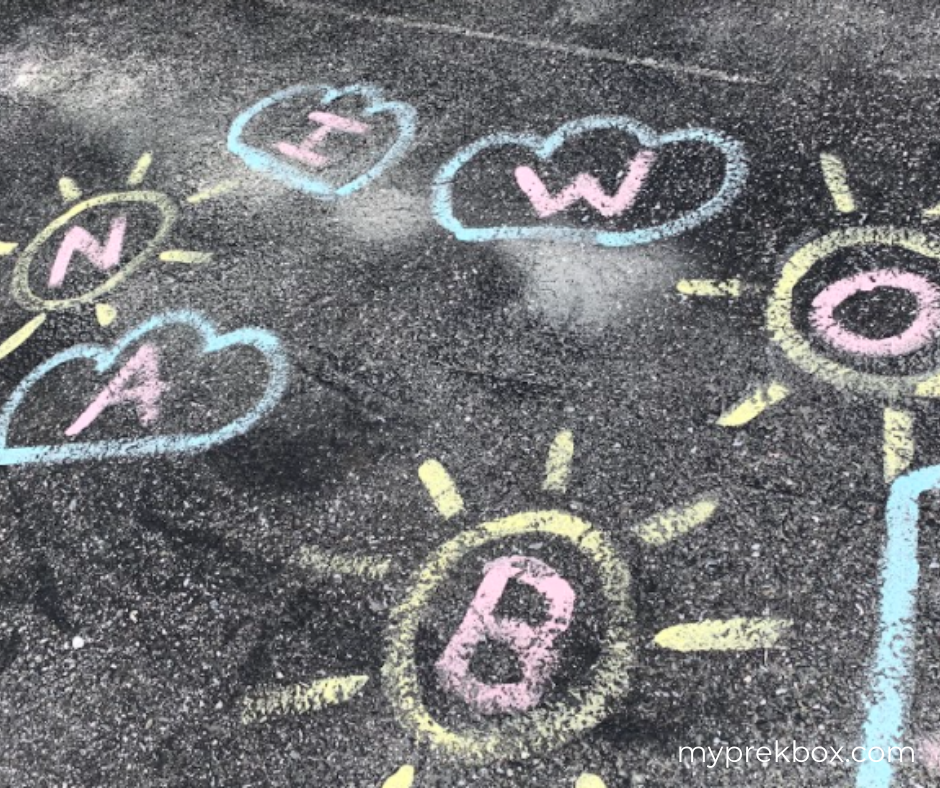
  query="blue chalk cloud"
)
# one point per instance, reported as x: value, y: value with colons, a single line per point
x: 105, y: 358
x: 275, y: 165
x: 544, y: 147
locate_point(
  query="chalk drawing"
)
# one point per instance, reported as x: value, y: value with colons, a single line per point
x: 104, y: 257
x: 307, y: 152
x: 890, y: 678
x: 673, y: 523
x: 586, y: 187
x: 734, y: 178
x: 837, y: 181
x: 301, y: 698
x: 710, y: 288
x: 736, y: 634
x: 276, y: 166
x: 403, y: 778
x: 798, y: 348
x: 137, y: 382
x: 326, y: 564
x: 532, y: 646
x: 78, y: 239
x: 919, y: 333
x: 785, y: 331
x: 558, y: 464
x: 104, y: 358
x: 531, y: 721
x: 441, y: 488
x: 751, y: 407
x: 589, y: 781
x: 550, y: 725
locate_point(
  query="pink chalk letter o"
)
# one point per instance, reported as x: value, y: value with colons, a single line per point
x: 533, y: 646
x: 918, y: 334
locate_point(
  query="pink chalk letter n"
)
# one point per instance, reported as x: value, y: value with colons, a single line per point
x: 328, y: 123
x: 533, y: 646
x: 138, y: 382
x: 78, y: 239
x: 586, y: 187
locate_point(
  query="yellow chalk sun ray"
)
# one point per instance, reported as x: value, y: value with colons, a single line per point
x: 301, y: 698
x: 734, y: 634
x: 753, y: 405
x: 73, y: 197
x: 214, y: 191
x: 837, y: 182
x: 69, y: 190
x: 141, y: 168
x: 710, y: 288
x: 441, y: 488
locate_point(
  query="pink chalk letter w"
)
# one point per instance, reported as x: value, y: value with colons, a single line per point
x: 586, y: 187
x: 78, y: 239
x: 137, y: 382
x: 533, y: 646
x: 328, y: 123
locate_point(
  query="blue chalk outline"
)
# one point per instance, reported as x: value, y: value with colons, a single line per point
x: 104, y: 357
x: 544, y: 147
x: 297, y: 178
x: 890, y: 673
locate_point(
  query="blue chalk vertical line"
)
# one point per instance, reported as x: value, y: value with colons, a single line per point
x: 891, y: 672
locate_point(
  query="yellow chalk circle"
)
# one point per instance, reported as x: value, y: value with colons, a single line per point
x: 898, y: 442
x: 733, y: 634
x: 29, y: 300
x: 302, y: 698
x: 441, y: 488
x: 558, y: 464
x: 673, y: 523
x: 589, y: 781
x: 750, y: 408
x: 798, y: 349
x: 539, y: 730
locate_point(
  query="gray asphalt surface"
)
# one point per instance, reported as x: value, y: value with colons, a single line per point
x: 142, y: 600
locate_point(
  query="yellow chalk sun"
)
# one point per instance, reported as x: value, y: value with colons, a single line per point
x: 548, y: 725
x: 76, y: 205
x: 898, y: 422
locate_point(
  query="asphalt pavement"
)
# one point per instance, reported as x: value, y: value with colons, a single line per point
x: 449, y: 394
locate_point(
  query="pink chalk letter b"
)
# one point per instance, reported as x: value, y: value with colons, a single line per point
x: 78, y: 239
x: 328, y: 123
x: 532, y: 646
x: 137, y: 382
x: 586, y: 187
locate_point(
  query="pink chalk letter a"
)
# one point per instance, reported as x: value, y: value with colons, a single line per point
x: 78, y: 239
x: 328, y: 123
x: 533, y: 646
x: 586, y: 187
x: 137, y: 382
